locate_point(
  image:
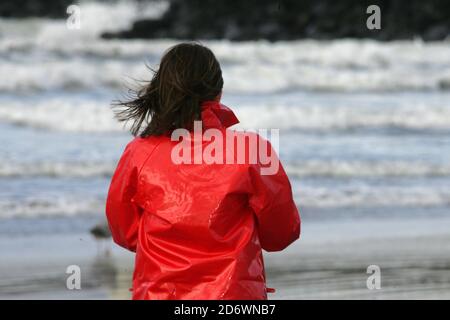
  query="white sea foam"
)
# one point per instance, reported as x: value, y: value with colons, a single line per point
x: 44, y: 55
x: 410, y: 116
x: 310, y: 168
x: 57, y: 169
x: 358, y: 168
x: 365, y: 196
x: 255, y: 70
x: 362, y: 196
x: 66, y: 114
x: 62, y: 206
x: 61, y: 114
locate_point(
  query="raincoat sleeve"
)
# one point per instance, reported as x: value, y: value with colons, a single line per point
x: 122, y: 212
x: 271, y: 200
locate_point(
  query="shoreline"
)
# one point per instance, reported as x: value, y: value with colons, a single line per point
x: 413, y: 255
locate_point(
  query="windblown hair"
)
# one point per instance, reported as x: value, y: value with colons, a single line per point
x: 188, y: 75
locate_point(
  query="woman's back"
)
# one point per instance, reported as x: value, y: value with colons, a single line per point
x: 198, y: 228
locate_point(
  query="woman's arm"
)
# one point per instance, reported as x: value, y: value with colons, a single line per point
x: 122, y: 212
x: 277, y: 215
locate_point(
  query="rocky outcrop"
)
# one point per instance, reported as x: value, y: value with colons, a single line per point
x: 293, y: 19
x: 34, y: 8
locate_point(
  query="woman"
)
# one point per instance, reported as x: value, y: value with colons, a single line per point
x: 198, y: 229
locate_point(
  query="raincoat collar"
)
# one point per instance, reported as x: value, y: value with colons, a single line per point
x: 216, y: 115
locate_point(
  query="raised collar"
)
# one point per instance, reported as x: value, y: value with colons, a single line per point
x: 216, y: 115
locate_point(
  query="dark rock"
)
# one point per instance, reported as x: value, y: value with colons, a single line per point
x: 34, y: 8
x: 436, y: 33
x: 292, y: 19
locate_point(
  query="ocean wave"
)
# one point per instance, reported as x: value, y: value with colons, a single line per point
x: 342, y: 117
x: 95, y: 18
x: 61, y: 114
x: 365, y: 196
x: 362, y: 196
x: 41, y: 207
x: 381, y: 168
x: 309, y: 168
x: 82, y: 72
x: 57, y: 169
x: 67, y: 114
x: 42, y: 54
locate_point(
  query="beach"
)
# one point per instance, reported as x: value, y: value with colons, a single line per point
x: 363, y: 135
x: 330, y: 262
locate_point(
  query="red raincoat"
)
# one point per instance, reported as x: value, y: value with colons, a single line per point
x: 198, y: 229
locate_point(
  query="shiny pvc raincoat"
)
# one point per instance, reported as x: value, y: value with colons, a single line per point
x: 198, y: 230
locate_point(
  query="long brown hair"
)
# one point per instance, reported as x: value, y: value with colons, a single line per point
x: 188, y: 74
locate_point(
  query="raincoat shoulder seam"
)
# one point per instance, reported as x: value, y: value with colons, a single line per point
x: 147, y: 158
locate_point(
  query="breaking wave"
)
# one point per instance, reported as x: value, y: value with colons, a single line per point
x: 65, y: 114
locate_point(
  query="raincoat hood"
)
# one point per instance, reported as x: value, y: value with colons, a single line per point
x: 217, y: 115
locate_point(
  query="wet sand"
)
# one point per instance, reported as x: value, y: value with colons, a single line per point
x: 329, y: 262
